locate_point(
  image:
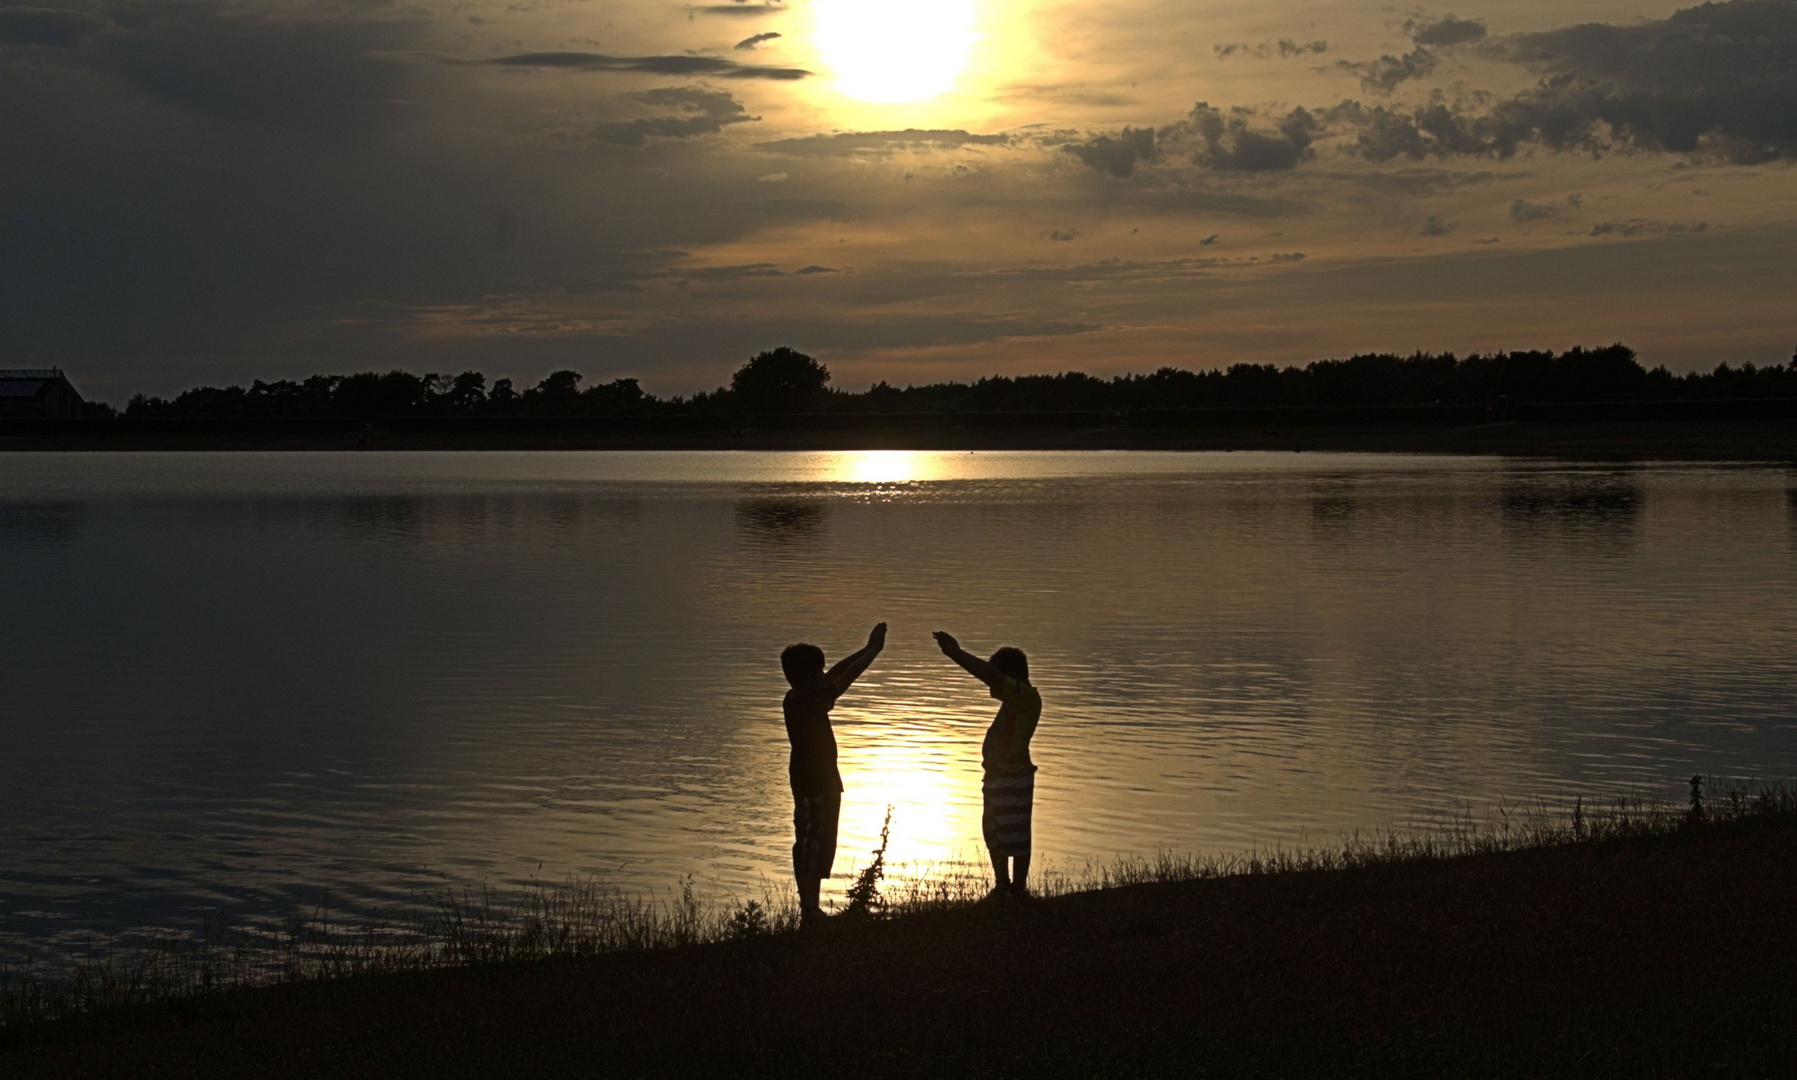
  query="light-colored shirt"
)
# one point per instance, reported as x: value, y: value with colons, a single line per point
x: 1007, y: 745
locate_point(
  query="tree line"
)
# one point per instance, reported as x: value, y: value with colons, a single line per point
x: 784, y: 380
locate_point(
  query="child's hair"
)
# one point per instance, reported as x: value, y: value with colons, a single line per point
x: 1013, y: 663
x: 801, y: 661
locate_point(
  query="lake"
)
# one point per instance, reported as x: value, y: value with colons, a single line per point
x: 258, y: 682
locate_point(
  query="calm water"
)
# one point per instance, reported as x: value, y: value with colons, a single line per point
x: 252, y: 681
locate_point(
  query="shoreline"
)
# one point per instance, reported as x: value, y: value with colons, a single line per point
x: 1768, y: 440
x: 1664, y: 952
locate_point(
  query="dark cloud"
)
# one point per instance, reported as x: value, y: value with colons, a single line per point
x: 1723, y: 72
x: 1445, y: 32
x: 1213, y: 238
x: 1720, y: 79
x: 852, y: 143
x: 1229, y: 143
x: 1634, y: 227
x: 815, y: 269
x: 1284, y: 47
x: 703, y: 112
x: 1386, y: 74
x: 1287, y: 257
x: 737, y: 11
x: 754, y: 40
x: 1524, y: 212
x: 1063, y: 235
x: 46, y: 26
x: 223, y: 63
x: 730, y: 273
x: 1118, y: 154
x: 1435, y: 226
x: 1118, y: 270
x: 715, y: 66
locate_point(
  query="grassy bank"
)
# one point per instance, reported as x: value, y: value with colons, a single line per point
x: 1636, y: 941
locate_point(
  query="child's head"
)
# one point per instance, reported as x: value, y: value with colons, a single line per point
x: 1013, y: 663
x: 802, y: 663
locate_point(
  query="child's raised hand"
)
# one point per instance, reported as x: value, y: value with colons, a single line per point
x: 946, y: 642
x: 877, y: 638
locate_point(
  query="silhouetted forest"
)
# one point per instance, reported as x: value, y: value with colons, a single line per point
x: 785, y: 380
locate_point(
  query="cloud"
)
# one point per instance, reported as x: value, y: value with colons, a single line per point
x: 1231, y: 144
x: 704, y: 112
x: 1445, y: 32
x: 852, y: 143
x: 1524, y: 212
x: 1116, y: 155
x: 1634, y: 227
x: 1724, y: 72
x: 1386, y: 74
x: 1284, y: 47
x: 751, y: 42
x: 1213, y: 238
x: 815, y: 269
x: 328, y: 78
x: 47, y: 26
x: 738, y: 10
x: 1287, y: 257
x: 729, y: 273
x: 1718, y: 80
x: 1063, y: 235
x: 655, y: 65
x: 1435, y: 226
x: 1113, y: 270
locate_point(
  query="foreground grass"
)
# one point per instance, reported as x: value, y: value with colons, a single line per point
x: 1641, y: 941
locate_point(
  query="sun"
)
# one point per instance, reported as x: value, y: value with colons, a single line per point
x: 894, y: 52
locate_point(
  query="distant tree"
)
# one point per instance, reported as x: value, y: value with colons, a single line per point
x: 556, y: 395
x: 780, y: 380
x: 467, y: 393
x: 617, y: 396
x: 502, y: 398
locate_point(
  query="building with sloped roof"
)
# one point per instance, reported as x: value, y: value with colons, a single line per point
x: 45, y: 393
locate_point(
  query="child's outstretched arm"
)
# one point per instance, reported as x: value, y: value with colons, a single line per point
x: 979, y: 669
x: 850, y: 667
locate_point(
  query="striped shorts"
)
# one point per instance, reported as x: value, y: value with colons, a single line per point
x: 1006, y: 821
x: 814, y: 819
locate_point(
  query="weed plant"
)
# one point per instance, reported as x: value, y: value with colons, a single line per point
x: 480, y: 926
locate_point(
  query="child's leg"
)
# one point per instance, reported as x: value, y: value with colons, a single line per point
x: 1020, y: 872
x: 1000, y: 874
x: 809, y: 888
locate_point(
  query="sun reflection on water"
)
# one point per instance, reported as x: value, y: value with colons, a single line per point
x: 935, y: 805
x: 885, y: 467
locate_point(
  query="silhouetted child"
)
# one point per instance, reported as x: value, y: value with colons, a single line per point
x: 1010, y: 784
x: 816, y: 785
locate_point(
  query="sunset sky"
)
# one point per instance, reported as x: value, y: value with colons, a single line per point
x: 212, y: 190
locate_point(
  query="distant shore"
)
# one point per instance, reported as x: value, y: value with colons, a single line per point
x: 1766, y: 439
x: 1662, y: 955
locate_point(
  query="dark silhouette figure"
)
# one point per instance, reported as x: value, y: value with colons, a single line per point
x: 1009, y: 787
x: 816, y: 785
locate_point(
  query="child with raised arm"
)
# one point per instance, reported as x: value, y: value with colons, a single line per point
x: 1010, y: 784
x: 816, y: 785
